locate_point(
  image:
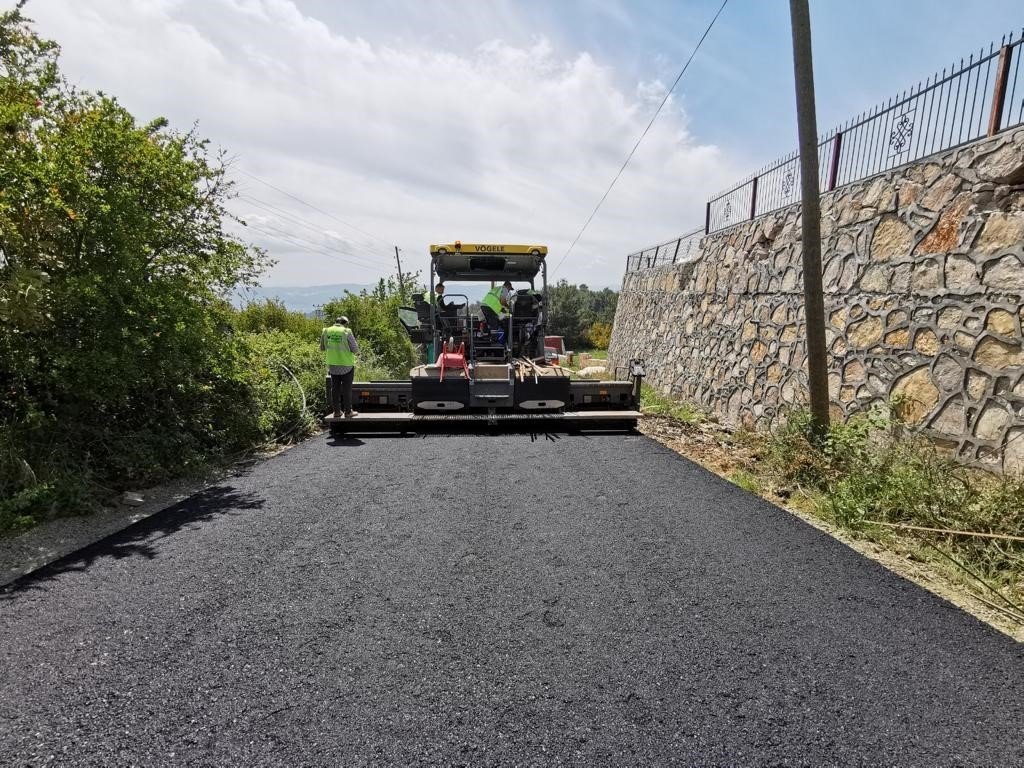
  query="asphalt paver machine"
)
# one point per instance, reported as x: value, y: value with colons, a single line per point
x: 488, y: 369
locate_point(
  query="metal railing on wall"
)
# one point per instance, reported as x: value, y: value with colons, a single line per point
x: 682, y: 249
x: 967, y: 101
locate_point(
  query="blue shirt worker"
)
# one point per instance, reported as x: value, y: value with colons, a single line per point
x: 340, y: 347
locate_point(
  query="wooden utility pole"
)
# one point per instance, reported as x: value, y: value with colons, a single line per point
x: 807, y: 126
x: 401, y: 281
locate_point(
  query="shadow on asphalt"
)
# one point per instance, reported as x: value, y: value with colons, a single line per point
x: 142, y: 538
x: 344, y: 442
x: 349, y: 438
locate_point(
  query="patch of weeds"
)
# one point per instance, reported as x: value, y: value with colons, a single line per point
x: 45, y: 501
x: 745, y: 438
x: 871, y: 470
x: 745, y: 480
x: 653, y: 403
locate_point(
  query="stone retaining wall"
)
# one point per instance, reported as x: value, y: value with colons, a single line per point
x: 924, y: 284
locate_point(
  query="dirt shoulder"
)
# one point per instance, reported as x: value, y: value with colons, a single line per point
x: 716, y: 449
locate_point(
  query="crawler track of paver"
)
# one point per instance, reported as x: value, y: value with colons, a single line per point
x: 492, y: 600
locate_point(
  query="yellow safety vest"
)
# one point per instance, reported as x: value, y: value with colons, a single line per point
x: 336, y: 346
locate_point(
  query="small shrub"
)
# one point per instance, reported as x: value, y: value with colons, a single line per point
x: 870, y: 469
x: 273, y: 315
x: 655, y: 404
x: 791, y: 452
x: 745, y: 480
x: 39, y: 502
x: 600, y: 334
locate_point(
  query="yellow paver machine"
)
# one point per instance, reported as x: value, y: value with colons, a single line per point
x: 488, y: 366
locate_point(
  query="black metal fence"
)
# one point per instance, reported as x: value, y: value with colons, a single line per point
x: 683, y: 248
x: 969, y: 100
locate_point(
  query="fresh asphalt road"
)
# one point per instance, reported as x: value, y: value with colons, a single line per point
x: 492, y: 600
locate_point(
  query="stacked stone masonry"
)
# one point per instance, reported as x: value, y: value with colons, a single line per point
x: 924, y: 299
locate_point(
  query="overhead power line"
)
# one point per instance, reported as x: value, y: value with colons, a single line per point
x: 291, y: 240
x: 642, y: 135
x: 305, y: 246
x: 323, y: 247
x: 293, y: 219
x: 328, y: 214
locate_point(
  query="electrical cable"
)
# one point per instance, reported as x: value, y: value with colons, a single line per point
x: 642, y: 135
x: 315, y: 208
x: 291, y: 217
x: 290, y: 240
x: 322, y: 246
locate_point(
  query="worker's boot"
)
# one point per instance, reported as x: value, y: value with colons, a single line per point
x: 337, y: 414
x: 350, y: 414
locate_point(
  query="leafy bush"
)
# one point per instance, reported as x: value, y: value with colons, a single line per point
x: 869, y: 470
x: 285, y: 378
x: 373, y: 318
x: 118, y: 361
x: 600, y: 335
x: 574, y: 310
x: 273, y: 315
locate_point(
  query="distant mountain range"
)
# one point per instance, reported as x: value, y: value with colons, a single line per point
x: 307, y: 298
x: 303, y: 298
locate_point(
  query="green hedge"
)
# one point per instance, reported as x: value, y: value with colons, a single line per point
x: 121, y: 362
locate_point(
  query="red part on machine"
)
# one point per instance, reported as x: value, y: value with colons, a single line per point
x: 455, y: 359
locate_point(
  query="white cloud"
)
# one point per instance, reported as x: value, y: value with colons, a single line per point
x: 477, y: 140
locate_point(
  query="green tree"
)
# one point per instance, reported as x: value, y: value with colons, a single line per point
x: 575, y: 309
x: 117, y: 357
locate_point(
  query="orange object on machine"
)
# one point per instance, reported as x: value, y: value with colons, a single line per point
x: 456, y: 359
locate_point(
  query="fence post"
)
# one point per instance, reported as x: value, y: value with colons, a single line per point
x: 707, y: 219
x: 753, y: 199
x: 677, y: 250
x: 833, y: 168
x: 999, y: 90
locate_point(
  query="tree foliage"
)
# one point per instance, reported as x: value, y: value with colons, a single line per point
x: 579, y: 313
x: 117, y: 352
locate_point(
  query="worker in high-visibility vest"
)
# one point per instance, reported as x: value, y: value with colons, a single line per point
x: 437, y: 295
x: 340, y: 347
x: 494, y: 305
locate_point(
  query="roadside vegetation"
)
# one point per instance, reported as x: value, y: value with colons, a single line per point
x: 122, y: 362
x: 652, y: 403
x: 582, y: 315
x: 874, y: 477
x: 878, y: 481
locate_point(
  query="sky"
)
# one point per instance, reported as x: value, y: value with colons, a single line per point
x: 355, y: 126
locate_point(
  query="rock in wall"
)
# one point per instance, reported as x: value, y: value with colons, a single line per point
x: 923, y: 270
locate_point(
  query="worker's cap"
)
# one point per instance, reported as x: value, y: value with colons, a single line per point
x: 341, y: 320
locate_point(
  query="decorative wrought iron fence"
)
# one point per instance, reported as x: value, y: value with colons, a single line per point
x: 969, y: 100
x: 683, y: 248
